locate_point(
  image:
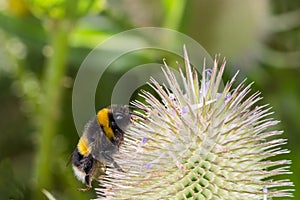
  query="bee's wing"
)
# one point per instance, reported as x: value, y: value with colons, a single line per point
x: 97, y: 144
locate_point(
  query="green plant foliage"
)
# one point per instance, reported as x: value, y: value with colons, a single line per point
x: 65, y: 9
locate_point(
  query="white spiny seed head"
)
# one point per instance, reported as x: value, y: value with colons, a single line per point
x: 197, y: 142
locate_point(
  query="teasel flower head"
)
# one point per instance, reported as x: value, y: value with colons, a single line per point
x: 198, y: 141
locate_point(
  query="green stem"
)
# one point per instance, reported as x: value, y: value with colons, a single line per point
x: 55, y: 70
x: 174, y: 13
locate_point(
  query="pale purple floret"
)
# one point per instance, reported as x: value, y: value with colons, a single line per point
x: 184, y: 110
x: 144, y: 141
x: 148, y: 165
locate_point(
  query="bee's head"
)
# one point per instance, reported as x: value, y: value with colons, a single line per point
x: 119, y: 116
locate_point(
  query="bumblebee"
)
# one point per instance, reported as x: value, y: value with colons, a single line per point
x: 101, y: 139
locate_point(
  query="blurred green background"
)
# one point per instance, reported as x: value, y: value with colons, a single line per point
x: 43, y: 43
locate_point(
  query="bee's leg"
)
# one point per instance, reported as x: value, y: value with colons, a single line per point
x: 88, y: 182
x: 85, y: 189
x: 115, y: 164
x: 102, y: 176
x: 111, y: 160
x: 103, y: 169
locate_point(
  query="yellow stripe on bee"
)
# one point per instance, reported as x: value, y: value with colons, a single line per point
x: 83, y: 146
x: 103, y: 120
